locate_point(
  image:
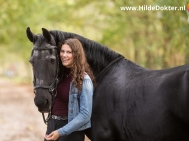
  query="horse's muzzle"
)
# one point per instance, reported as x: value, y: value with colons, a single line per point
x: 42, y: 104
x: 45, y: 108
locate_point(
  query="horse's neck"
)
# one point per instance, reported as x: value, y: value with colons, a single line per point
x: 98, y: 61
x: 98, y: 56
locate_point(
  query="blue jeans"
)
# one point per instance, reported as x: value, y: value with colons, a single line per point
x: 54, y: 124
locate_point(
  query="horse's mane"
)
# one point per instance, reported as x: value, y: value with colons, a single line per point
x: 98, y: 56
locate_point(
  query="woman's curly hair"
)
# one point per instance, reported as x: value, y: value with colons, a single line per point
x: 80, y: 65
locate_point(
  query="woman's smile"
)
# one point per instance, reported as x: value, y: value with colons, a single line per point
x: 66, y: 56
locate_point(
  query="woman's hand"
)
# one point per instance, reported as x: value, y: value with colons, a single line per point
x: 52, y: 136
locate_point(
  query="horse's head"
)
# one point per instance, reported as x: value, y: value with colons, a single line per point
x: 45, y: 63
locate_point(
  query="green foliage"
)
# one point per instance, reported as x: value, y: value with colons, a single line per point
x: 155, y: 39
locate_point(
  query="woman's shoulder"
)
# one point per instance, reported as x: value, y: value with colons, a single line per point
x: 87, y: 82
x: 86, y: 76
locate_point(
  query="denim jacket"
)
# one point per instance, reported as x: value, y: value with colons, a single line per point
x: 79, y: 108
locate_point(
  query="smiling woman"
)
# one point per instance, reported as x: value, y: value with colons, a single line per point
x: 72, y: 107
x: 66, y: 56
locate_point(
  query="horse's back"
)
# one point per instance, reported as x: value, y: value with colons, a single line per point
x: 133, y: 103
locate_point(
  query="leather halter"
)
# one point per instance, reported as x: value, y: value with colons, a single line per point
x: 52, y: 87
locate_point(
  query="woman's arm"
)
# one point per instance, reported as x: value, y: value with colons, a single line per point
x: 85, y: 109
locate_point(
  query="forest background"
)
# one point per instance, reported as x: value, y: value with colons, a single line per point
x: 154, y: 39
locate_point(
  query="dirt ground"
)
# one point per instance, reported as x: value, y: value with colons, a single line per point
x: 19, y: 117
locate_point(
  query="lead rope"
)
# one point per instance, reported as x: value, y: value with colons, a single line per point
x: 50, y: 113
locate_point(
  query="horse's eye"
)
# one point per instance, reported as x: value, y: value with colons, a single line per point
x: 52, y: 61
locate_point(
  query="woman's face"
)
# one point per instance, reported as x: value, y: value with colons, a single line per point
x: 66, y: 56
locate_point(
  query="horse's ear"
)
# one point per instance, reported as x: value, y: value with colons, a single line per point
x: 30, y: 35
x: 46, y: 34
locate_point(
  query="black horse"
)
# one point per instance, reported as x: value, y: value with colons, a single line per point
x: 130, y: 103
